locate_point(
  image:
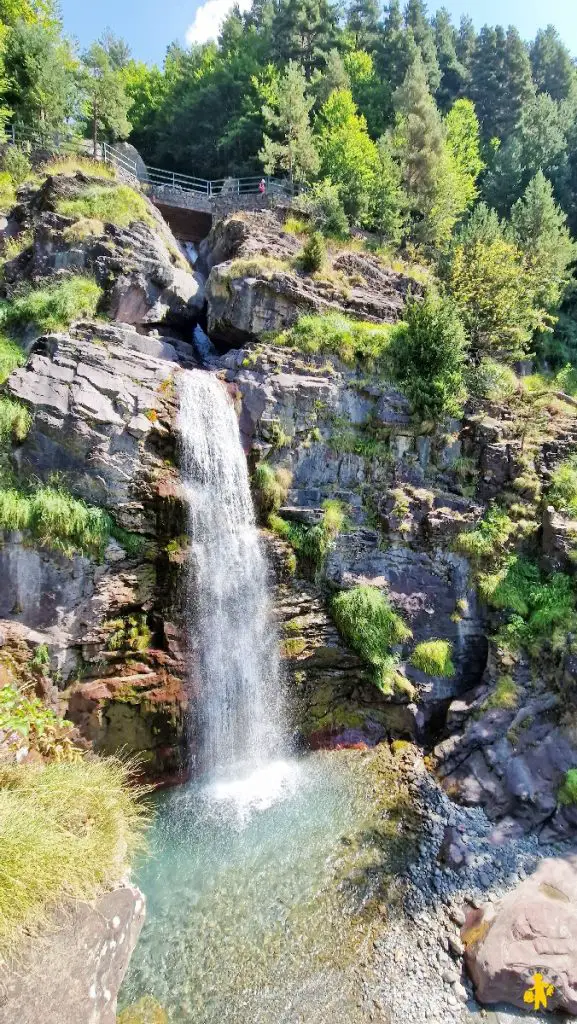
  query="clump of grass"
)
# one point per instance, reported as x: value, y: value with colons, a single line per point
x: 72, y: 164
x: 119, y: 205
x: 505, y: 696
x: 352, y: 341
x: 491, y: 380
x: 490, y: 534
x: 56, y: 520
x: 296, y: 226
x: 86, y: 227
x: 7, y: 192
x: 563, y: 493
x: 67, y: 830
x: 434, y: 658
x: 271, y: 487
x: 542, y: 607
x: 26, y: 721
x: 11, y: 356
x: 15, y: 421
x: 367, y: 622
x: 255, y: 266
x: 312, y: 543
x: 52, y: 306
x: 17, y: 244
x: 567, y: 793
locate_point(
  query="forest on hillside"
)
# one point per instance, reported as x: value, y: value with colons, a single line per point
x: 456, y: 148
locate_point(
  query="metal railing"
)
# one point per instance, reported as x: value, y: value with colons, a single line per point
x: 159, y: 183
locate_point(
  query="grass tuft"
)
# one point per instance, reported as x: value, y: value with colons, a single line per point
x: 505, y: 696
x: 352, y: 341
x: 67, y: 830
x: 72, y: 164
x: 367, y: 622
x: 15, y: 421
x: 52, y: 306
x: 11, y: 356
x: 434, y: 658
x: 119, y: 205
x: 86, y: 227
x: 563, y: 493
x: 56, y: 520
x: 568, y: 791
x: 271, y: 488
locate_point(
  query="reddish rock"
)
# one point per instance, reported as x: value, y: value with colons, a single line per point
x: 533, y: 930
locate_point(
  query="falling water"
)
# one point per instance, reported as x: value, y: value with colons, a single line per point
x: 230, y: 621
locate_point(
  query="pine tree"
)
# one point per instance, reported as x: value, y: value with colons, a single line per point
x: 348, y: 155
x: 539, y: 228
x: 334, y: 76
x: 428, y: 172
x: 465, y: 44
x: 388, y: 202
x: 371, y: 95
x: 553, y: 69
x: 488, y: 81
x: 289, y: 117
x: 396, y: 49
x: 363, y: 23
x: 519, y: 88
x: 304, y: 31
x: 453, y: 74
x: 417, y: 21
x: 106, y: 95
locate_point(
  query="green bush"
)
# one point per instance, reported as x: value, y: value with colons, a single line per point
x: 434, y: 658
x: 56, y: 520
x: 7, y: 192
x: 352, y: 341
x: 563, y: 493
x: 426, y: 356
x: 491, y: 380
x: 314, y: 255
x: 367, y: 622
x: 15, y: 421
x: 312, y: 543
x: 490, y: 534
x: 67, y: 830
x: 16, y: 163
x: 11, y: 356
x: 118, y: 205
x: 505, y: 696
x: 52, y: 306
x: 568, y: 791
x: 26, y: 721
x: 271, y: 488
x: 323, y: 202
x: 542, y: 607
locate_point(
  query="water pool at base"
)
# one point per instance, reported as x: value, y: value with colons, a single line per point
x: 264, y: 893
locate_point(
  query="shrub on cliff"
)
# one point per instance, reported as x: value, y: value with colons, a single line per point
x: 563, y: 493
x: 270, y: 489
x: 67, y: 830
x: 426, y: 356
x: 354, y: 342
x: 434, y: 658
x: 118, y: 205
x: 314, y: 254
x: 367, y: 622
x: 52, y: 306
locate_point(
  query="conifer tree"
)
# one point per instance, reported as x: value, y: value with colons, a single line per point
x: 539, y: 228
x: 289, y: 117
x: 363, y: 23
x: 389, y: 202
x: 465, y: 44
x: 428, y: 172
x: 107, y: 99
x: 396, y: 49
x: 417, y: 21
x: 488, y: 81
x: 462, y: 131
x: 553, y: 69
x: 304, y: 31
x: 519, y: 88
x: 453, y: 74
x: 40, y: 71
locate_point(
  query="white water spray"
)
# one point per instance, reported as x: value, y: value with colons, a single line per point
x: 231, y: 630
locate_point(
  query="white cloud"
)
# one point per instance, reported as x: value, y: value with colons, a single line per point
x: 209, y: 18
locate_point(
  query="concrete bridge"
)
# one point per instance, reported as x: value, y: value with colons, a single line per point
x: 189, y: 204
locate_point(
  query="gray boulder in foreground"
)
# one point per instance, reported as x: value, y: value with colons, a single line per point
x: 73, y: 972
x: 532, y: 930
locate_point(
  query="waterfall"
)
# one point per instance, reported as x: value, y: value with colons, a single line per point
x: 230, y: 630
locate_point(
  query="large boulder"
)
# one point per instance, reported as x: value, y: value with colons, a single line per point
x: 531, y: 932
x: 73, y: 971
x: 255, y: 286
x: 141, y: 267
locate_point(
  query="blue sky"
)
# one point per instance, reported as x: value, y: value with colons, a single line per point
x: 150, y: 25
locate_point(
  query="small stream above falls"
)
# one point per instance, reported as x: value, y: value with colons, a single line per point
x: 268, y: 875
